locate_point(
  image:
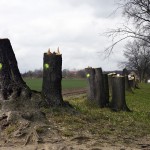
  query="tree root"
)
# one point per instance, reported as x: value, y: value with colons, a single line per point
x: 33, y: 137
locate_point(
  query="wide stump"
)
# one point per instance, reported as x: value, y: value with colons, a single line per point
x: 118, y: 94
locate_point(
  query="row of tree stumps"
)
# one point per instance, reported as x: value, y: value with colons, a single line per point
x: 12, y: 84
x: 101, y: 86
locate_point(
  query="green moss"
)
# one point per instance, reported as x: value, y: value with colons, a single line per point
x: 11, y: 128
x: 41, y: 129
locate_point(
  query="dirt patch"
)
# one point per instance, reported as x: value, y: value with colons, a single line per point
x: 71, y: 92
x: 53, y: 134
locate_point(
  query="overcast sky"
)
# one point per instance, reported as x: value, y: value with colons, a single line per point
x: 76, y: 26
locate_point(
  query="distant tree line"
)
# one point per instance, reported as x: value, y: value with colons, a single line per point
x: 38, y: 73
x: 66, y: 73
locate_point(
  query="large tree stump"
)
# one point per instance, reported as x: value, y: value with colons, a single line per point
x: 11, y: 82
x: 19, y: 106
x: 99, y: 85
x: 106, y: 88
x: 90, y: 74
x: 52, y: 76
x: 118, y: 94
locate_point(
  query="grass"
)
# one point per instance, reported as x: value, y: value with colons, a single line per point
x: 87, y: 118
x: 36, y: 83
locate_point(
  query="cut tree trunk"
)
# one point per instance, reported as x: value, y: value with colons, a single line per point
x: 127, y: 82
x: 90, y: 74
x: 99, y: 85
x: 11, y: 82
x: 110, y: 83
x: 106, y: 88
x: 52, y: 76
x: 118, y: 94
x: 134, y: 83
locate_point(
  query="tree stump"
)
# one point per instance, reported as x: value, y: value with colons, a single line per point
x: 90, y: 74
x: 52, y: 76
x: 118, y: 94
x: 110, y: 75
x: 133, y: 82
x: 99, y: 85
x: 127, y: 82
x: 106, y: 88
x: 11, y: 82
x: 20, y: 108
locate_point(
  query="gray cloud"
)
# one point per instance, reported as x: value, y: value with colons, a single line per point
x: 73, y: 25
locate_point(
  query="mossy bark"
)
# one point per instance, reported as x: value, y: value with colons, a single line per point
x: 52, y: 76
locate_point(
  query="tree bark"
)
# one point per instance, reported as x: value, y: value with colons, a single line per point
x: 118, y: 94
x: 90, y: 74
x: 127, y: 83
x: 106, y: 88
x: 11, y: 82
x: 52, y: 76
x: 110, y: 84
x: 100, y: 91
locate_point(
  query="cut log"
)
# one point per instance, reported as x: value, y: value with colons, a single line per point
x: 99, y: 85
x: 52, y: 76
x: 11, y: 82
x: 90, y: 74
x: 106, y: 88
x: 118, y: 94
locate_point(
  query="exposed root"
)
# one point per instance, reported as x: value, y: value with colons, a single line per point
x: 33, y: 137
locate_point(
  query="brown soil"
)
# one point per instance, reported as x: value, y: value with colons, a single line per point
x: 80, y: 142
x: 40, y: 135
x: 71, y: 92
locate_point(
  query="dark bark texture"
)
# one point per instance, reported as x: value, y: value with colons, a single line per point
x: 90, y: 73
x: 118, y: 94
x: 106, y: 88
x: 99, y: 84
x: 52, y: 76
x: 11, y: 82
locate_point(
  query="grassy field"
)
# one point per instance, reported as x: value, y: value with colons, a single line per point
x: 86, y: 118
x: 36, y: 83
x: 104, y: 125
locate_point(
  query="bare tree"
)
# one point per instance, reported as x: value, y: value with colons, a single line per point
x: 138, y: 56
x: 138, y: 14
